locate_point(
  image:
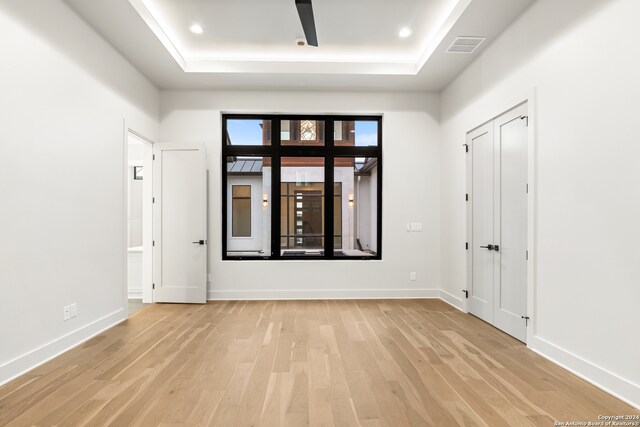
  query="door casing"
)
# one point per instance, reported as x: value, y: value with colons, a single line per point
x: 147, y: 216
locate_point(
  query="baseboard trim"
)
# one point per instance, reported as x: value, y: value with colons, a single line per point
x: 220, y: 295
x: 452, y: 300
x: 588, y: 371
x: 134, y: 293
x: 31, y: 360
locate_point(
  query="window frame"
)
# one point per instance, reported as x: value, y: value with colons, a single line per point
x: 329, y: 151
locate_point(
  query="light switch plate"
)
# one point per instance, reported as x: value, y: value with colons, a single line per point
x: 73, y: 309
x: 412, y: 276
x: 66, y: 313
x: 416, y: 226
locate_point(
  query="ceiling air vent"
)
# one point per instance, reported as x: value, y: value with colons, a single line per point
x: 465, y: 44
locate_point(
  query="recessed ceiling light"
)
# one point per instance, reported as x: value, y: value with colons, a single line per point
x: 196, y: 29
x: 404, y: 33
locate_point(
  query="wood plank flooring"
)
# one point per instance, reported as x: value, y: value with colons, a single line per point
x: 323, y: 363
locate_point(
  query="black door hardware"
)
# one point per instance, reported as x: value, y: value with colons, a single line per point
x: 200, y: 242
x: 492, y: 247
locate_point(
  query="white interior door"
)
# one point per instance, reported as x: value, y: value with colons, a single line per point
x: 498, y: 222
x: 481, y: 203
x: 180, y: 223
x: 511, y: 284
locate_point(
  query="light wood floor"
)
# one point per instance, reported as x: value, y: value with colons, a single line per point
x: 369, y: 363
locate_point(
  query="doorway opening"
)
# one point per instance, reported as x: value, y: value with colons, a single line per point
x: 139, y: 237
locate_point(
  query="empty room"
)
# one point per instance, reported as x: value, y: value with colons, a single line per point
x: 319, y: 212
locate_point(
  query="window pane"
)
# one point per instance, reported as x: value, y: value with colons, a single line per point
x: 248, y: 132
x: 285, y: 130
x: 302, y: 206
x: 248, y: 206
x: 337, y: 221
x: 302, y: 132
x: 241, y: 211
x: 357, y: 234
x: 337, y: 130
x: 241, y: 191
x: 361, y: 133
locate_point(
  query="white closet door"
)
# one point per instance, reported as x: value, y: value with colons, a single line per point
x: 497, y: 174
x: 510, y: 286
x: 180, y: 223
x: 482, y: 210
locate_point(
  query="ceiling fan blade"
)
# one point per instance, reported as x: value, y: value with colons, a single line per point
x: 305, y: 11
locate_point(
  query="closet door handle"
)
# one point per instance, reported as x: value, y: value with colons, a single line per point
x: 496, y: 248
x: 199, y: 242
x: 490, y: 247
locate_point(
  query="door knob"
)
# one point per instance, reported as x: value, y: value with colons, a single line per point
x: 199, y: 242
x: 490, y: 247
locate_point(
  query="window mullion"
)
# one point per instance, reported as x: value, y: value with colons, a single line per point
x: 328, y: 189
x: 276, y: 200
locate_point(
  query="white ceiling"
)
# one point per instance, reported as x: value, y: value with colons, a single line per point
x: 251, y: 43
x: 348, y: 30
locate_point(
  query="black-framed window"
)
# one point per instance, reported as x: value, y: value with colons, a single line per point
x: 320, y: 177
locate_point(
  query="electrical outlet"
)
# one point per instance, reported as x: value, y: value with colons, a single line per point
x: 73, y: 309
x: 67, y: 313
x: 412, y: 276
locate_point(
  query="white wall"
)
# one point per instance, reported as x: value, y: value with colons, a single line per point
x: 64, y: 96
x: 577, y: 56
x: 411, y: 155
